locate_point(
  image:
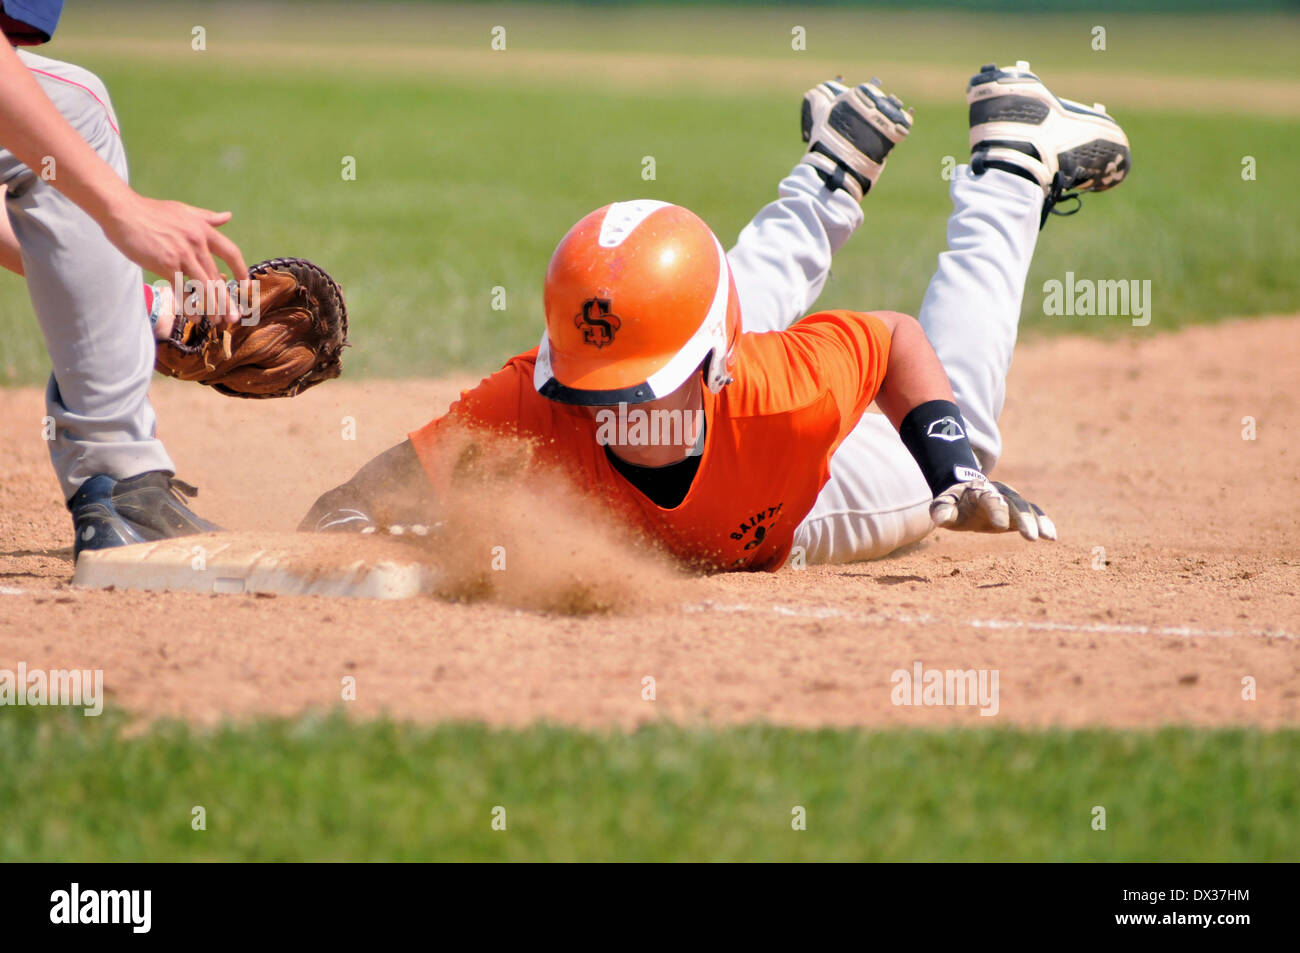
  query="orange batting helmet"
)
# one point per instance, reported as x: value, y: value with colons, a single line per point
x: 638, y: 296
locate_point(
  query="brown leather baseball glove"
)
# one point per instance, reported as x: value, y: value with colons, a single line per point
x: 294, y: 340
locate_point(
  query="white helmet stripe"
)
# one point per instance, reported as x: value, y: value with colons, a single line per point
x: 622, y: 219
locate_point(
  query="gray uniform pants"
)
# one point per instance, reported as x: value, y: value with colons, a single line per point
x: 88, y: 298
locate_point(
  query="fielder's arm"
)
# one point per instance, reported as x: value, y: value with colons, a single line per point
x: 164, y: 237
x: 391, y: 489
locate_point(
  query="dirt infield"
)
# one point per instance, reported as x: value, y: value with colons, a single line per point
x: 1134, y: 446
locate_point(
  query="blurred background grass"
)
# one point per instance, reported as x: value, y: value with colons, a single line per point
x: 332, y: 789
x: 470, y: 164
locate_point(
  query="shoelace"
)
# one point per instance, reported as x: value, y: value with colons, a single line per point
x: 1057, y: 193
x: 180, y: 489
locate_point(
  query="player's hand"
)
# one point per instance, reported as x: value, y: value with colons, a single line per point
x: 168, y: 237
x: 345, y: 520
x: 985, y: 506
x: 338, y: 511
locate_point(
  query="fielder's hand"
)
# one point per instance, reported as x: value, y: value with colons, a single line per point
x: 985, y: 506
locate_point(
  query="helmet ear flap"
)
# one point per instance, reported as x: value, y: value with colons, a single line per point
x: 717, y: 374
x: 710, y: 380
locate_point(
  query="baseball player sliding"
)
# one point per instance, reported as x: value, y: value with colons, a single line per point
x: 646, y: 314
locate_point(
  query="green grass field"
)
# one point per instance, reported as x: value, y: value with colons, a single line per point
x: 466, y: 177
x: 466, y: 180
x: 327, y: 789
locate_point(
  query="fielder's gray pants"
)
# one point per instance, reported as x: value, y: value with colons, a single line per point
x: 88, y: 298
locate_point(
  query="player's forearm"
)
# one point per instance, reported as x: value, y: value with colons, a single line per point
x: 34, y: 131
x: 391, y: 488
x: 917, y: 398
x: 914, y: 374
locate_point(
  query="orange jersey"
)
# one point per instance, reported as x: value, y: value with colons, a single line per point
x: 769, y: 435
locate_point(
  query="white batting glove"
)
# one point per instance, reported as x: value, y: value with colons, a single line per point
x: 980, y: 505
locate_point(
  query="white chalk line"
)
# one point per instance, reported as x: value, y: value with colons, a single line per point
x: 903, y: 618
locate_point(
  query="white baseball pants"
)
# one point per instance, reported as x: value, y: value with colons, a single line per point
x: 877, y: 500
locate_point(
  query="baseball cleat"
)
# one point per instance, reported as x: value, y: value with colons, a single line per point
x: 817, y: 104
x: 1018, y: 125
x: 108, y: 512
x: 850, y: 132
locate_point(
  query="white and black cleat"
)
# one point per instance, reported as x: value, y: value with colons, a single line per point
x: 850, y: 132
x: 1018, y: 125
x: 817, y: 103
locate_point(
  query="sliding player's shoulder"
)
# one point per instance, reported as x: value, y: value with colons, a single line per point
x: 774, y: 372
x: 502, y: 392
x: 825, y: 335
x: 836, y: 324
x: 838, y: 340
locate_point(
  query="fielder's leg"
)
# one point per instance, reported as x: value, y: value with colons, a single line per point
x: 89, y: 300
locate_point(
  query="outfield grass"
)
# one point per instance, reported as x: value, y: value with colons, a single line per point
x: 465, y: 183
x: 77, y: 788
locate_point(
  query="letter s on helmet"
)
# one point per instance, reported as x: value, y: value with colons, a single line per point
x: 638, y: 296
